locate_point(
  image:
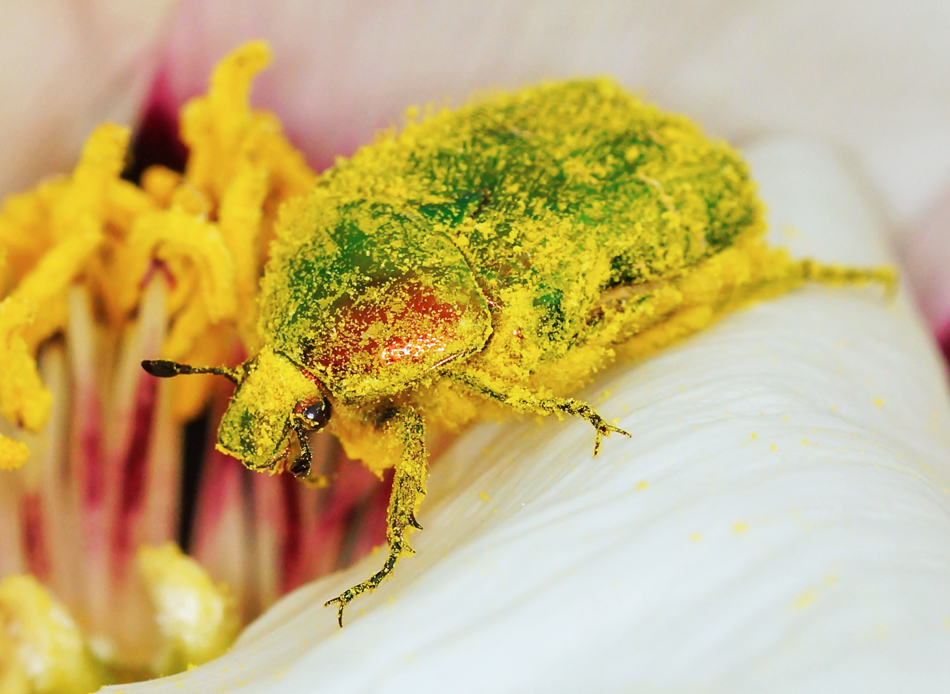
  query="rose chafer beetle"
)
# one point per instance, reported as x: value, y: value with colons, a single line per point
x: 501, y: 253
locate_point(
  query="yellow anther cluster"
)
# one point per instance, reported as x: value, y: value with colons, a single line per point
x: 42, y: 650
x: 197, y: 619
x: 208, y: 229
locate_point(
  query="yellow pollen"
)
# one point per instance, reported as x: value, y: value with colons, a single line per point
x: 207, y: 230
x: 804, y: 600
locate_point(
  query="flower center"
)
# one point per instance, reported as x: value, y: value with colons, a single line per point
x: 106, y: 468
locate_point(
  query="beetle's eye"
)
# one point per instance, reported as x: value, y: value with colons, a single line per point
x: 314, y: 414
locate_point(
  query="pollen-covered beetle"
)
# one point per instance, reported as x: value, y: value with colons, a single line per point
x: 502, y: 252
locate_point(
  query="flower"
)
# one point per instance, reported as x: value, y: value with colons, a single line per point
x: 727, y: 77
x: 99, y: 273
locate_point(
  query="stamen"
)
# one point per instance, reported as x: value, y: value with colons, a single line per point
x: 99, y: 272
x: 197, y: 619
x: 224, y: 534
x: 92, y: 475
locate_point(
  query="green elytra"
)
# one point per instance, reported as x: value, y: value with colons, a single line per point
x: 499, y: 253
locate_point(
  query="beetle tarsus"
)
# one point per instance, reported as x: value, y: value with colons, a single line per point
x: 570, y: 406
x: 396, y: 548
x: 603, y: 428
x: 582, y: 409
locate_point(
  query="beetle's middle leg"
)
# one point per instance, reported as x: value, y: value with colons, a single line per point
x: 408, y: 489
x: 524, y: 401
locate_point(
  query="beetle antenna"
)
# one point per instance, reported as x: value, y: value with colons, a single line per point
x: 166, y: 369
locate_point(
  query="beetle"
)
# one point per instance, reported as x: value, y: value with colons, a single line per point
x: 503, y: 252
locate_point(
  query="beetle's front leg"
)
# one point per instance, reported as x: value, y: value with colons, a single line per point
x: 408, y: 490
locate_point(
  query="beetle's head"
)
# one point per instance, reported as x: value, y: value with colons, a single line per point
x: 274, y: 398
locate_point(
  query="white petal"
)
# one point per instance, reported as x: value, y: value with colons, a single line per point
x: 793, y: 532
x: 868, y: 74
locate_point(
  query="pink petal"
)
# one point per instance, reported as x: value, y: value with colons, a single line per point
x: 926, y: 254
x: 869, y: 76
x: 69, y: 66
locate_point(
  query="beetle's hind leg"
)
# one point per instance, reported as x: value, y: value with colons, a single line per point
x: 524, y: 401
x: 837, y: 275
x: 577, y: 408
x: 408, y: 490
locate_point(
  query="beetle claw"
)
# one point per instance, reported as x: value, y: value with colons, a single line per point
x: 341, y: 601
x: 604, y: 430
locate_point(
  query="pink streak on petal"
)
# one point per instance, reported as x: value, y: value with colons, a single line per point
x: 321, y: 538
x: 50, y: 480
x: 90, y: 466
x: 134, y: 468
x: 223, y: 530
x: 343, y: 70
x: 926, y: 256
x: 330, y: 518
x: 269, y: 527
x: 943, y: 339
x: 215, y: 495
x: 95, y: 489
x: 291, y: 544
x: 370, y: 525
x: 34, y: 535
x: 92, y: 482
x: 12, y: 560
x: 69, y: 66
x: 156, y: 139
x: 318, y: 549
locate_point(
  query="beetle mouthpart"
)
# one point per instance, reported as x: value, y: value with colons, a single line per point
x: 162, y: 368
x: 301, y: 466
